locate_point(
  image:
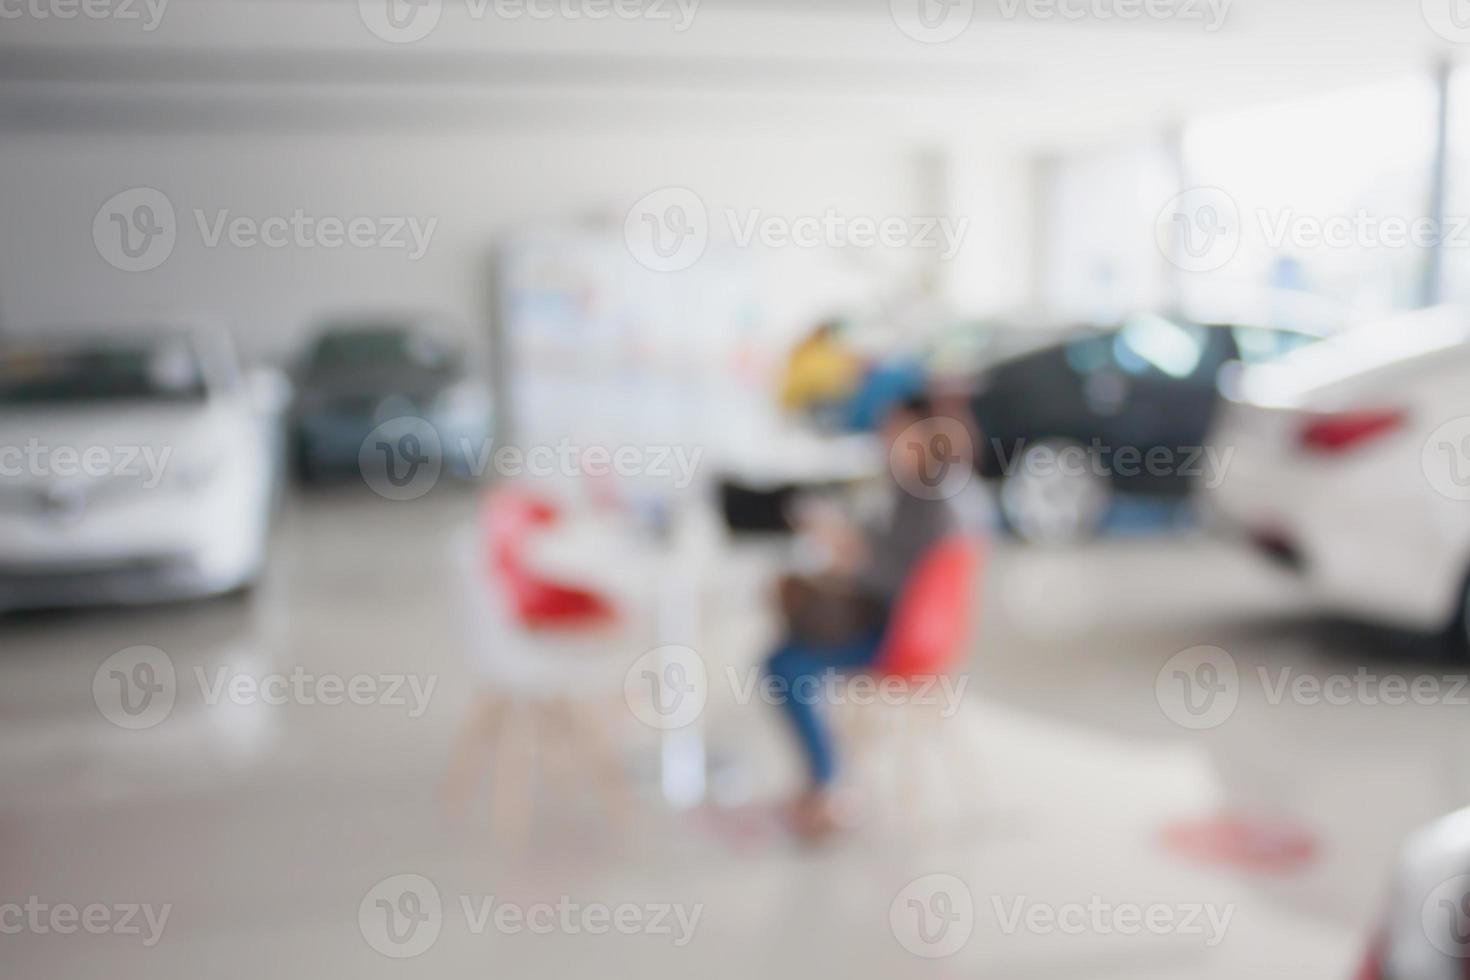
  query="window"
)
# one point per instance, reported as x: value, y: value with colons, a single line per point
x: 1454, y: 281
x: 1101, y: 261
x: 1324, y: 189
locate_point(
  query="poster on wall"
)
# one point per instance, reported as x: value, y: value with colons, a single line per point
x: 604, y: 351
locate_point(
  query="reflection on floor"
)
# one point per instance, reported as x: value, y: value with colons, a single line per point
x: 267, y: 828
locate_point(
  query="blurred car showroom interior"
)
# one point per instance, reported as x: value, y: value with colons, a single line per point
x: 726, y: 487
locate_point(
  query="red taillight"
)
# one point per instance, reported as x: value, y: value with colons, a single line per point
x: 1372, y: 966
x: 1344, y: 430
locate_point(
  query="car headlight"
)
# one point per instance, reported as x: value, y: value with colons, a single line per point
x: 195, y: 467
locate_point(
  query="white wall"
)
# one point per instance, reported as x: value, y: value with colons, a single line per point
x: 477, y: 184
x: 490, y: 124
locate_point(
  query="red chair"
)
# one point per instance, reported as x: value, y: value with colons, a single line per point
x: 510, y: 517
x: 507, y: 517
x: 931, y: 619
x: 925, y: 640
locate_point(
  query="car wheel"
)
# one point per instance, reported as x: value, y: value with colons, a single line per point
x: 241, y: 593
x: 1053, y: 495
x: 303, y: 464
x: 1454, y: 640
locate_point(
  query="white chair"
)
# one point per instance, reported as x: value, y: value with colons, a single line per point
x: 549, y: 704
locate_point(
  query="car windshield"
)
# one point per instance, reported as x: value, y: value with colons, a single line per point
x: 1143, y: 344
x: 351, y: 348
x: 128, y: 372
x: 1257, y: 345
x: 1152, y: 342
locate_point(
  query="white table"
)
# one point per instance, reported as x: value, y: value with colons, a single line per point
x: 802, y: 457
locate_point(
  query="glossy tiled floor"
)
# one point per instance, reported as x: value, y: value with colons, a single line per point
x: 264, y: 827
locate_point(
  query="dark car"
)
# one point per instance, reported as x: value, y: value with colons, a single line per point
x: 1068, y: 428
x: 357, y: 376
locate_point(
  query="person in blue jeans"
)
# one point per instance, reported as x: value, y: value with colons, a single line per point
x: 835, y: 620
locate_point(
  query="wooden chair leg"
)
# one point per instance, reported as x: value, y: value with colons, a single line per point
x: 872, y: 746
x: 938, y: 779
x: 965, y: 762
x: 468, y: 754
x: 596, y: 750
x: 511, y: 775
x: 906, y: 761
x: 561, y: 767
x: 900, y: 751
x: 849, y: 733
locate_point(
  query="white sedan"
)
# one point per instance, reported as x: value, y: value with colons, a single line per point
x: 1349, y: 463
x: 1423, y: 932
x: 133, y: 467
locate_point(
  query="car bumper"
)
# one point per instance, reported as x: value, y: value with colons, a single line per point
x: 154, y: 545
x: 136, y: 581
x: 333, y: 442
x: 1359, y: 550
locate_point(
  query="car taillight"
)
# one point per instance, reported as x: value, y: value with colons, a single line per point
x: 1372, y: 966
x: 1341, y: 431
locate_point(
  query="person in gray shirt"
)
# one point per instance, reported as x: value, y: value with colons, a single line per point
x: 835, y: 619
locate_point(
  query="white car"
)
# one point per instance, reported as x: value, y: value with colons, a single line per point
x: 1423, y: 932
x: 134, y: 467
x: 1351, y: 465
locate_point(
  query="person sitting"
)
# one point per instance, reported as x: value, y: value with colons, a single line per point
x: 835, y: 619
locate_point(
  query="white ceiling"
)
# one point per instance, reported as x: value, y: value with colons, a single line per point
x: 805, y: 65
